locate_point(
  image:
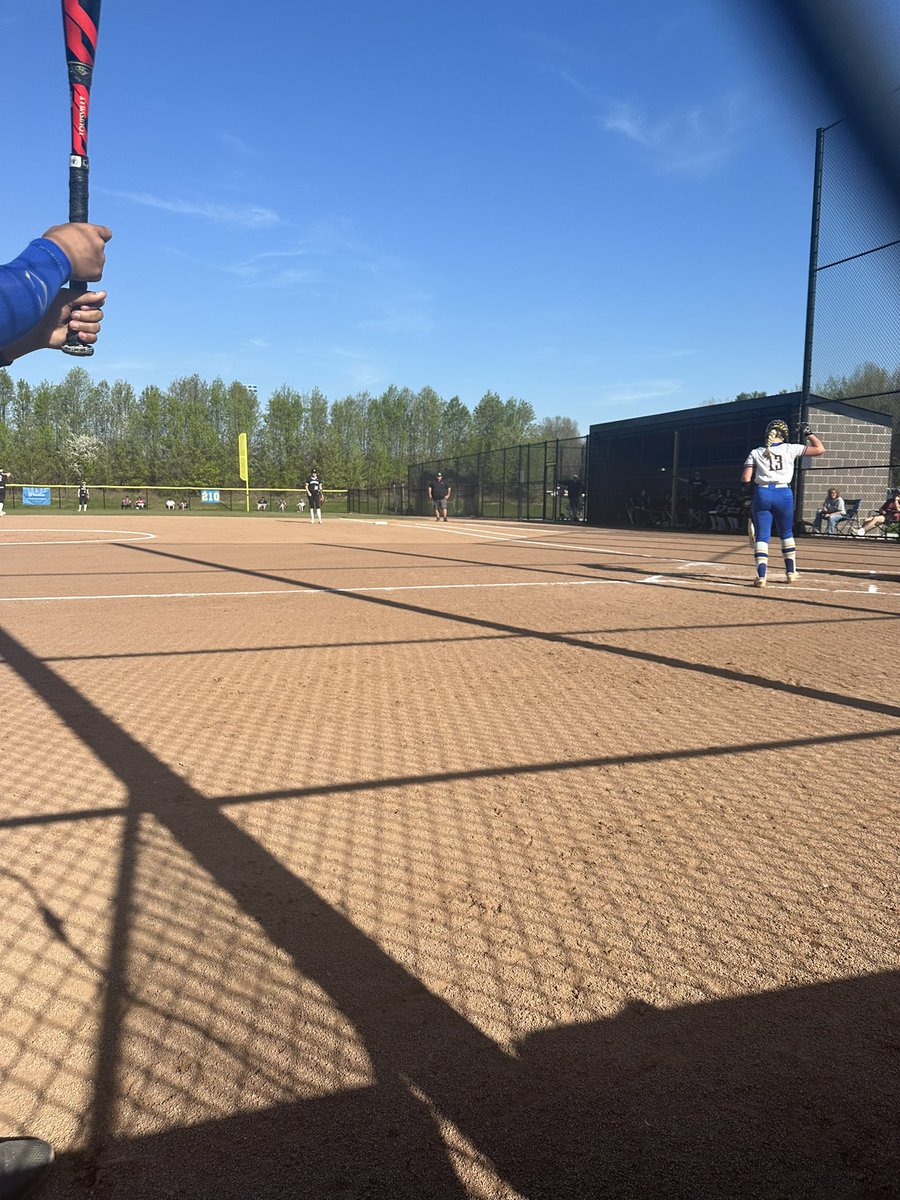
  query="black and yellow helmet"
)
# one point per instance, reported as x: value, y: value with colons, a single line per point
x: 777, y: 431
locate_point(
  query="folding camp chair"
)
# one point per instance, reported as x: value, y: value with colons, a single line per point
x: 850, y: 521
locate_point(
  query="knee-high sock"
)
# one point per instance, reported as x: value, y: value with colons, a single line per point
x: 789, y: 550
x: 761, y: 554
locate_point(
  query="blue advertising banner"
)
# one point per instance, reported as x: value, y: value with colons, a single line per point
x: 209, y: 496
x: 36, y: 495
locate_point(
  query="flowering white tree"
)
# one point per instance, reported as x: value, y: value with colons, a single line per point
x: 80, y: 452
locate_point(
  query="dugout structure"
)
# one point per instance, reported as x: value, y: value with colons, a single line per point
x: 642, y: 471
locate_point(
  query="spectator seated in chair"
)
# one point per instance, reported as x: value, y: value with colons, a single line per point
x: 126, y: 502
x: 262, y: 504
x: 832, y: 510
x: 888, y: 514
x: 170, y: 505
x: 140, y: 502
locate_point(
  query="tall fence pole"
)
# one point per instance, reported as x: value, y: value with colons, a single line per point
x: 806, y: 386
x: 544, y: 496
x: 676, y: 447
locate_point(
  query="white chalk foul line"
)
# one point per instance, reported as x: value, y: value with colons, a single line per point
x: 500, y: 536
x: 656, y: 581
x: 307, y: 591
x: 679, y: 563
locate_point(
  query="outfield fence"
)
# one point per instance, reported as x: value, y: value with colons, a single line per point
x: 391, y: 499
x: 64, y: 497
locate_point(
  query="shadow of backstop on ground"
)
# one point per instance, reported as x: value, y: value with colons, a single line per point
x: 793, y: 1092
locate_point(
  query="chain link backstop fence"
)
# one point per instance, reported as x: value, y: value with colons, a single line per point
x: 537, y: 481
x: 852, y: 348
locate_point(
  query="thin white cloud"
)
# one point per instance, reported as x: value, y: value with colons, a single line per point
x: 327, y: 251
x: 272, y: 278
x: 658, y: 355
x: 235, y: 145
x: 623, y: 119
x: 127, y: 365
x: 640, y: 389
x: 328, y: 261
x: 694, y: 141
x: 365, y: 376
x: 355, y: 366
x: 399, y: 323
x: 245, y: 216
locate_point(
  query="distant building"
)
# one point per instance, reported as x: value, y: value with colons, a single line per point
x: 640, y: 470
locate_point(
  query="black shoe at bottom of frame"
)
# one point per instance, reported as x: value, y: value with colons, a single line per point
x: 23, y: 1161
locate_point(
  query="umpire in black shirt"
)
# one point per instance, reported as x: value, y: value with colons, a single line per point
x: 439, y: 494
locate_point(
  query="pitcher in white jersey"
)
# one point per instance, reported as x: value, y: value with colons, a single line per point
x: 771, y: 468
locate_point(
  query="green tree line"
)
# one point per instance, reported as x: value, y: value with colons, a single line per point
x: 869, y: 386
x: 186, y: 434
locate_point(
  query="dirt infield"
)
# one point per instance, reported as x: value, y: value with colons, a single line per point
x: 489, y: 861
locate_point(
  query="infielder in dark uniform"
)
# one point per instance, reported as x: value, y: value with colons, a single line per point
x: 314, y: 492
x: 439, y: 494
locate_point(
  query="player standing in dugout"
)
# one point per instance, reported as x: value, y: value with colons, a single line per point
x: 771, y: 468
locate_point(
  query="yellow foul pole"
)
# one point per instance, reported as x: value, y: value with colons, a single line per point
x: 242, y: 465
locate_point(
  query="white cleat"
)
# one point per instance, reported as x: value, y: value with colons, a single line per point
x: 792, y: 576
x: 759, y: 581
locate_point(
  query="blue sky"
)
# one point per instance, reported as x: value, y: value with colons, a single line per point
x: 603, y: 209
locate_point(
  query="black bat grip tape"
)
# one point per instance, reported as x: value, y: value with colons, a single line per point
x: 78, y: 211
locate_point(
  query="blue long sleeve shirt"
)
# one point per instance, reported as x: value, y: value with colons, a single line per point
x: 27, y: 286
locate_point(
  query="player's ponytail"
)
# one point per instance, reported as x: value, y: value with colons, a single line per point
x: 776, y: 431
